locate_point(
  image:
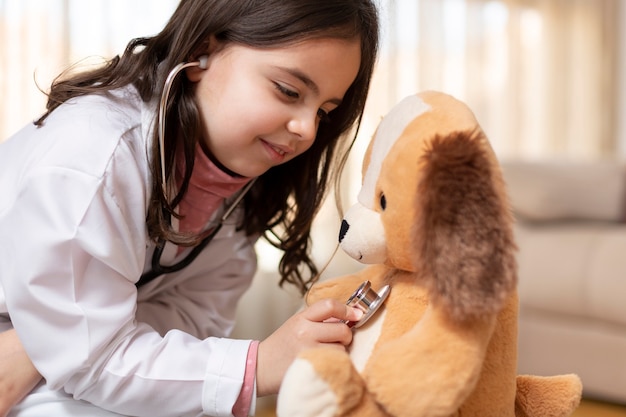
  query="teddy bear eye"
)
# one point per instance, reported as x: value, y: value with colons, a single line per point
x: 383, y: 202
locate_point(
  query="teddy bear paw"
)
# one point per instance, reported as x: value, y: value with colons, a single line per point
x: 303, y: 393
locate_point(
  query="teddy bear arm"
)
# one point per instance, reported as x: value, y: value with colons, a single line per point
x: 323, y: 382
x: 431, y: 370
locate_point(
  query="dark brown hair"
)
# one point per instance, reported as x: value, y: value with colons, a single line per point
x: 284, y: 200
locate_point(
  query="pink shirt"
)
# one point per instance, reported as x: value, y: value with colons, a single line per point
x: 208, y: 187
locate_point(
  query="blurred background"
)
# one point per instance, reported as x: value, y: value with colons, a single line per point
x: 541, y: 75
x: 546, y: 80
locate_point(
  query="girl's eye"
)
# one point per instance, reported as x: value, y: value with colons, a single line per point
x: 323, y: 116
x: 286, y: 91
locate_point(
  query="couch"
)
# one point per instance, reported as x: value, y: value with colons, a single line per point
x: 571, y: 234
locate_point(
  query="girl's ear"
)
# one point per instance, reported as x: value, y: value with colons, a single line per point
x: 203, y: 58
x: 194, y: 74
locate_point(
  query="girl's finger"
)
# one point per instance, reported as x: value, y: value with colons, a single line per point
x: 334, y: 333
x: 329, y: 310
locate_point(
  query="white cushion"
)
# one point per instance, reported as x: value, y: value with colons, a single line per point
x: 573, y: 268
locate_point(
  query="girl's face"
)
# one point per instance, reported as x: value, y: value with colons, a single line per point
x: 262, y: 107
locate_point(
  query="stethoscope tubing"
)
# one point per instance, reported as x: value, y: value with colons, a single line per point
x: 169, y: 80
x: 157, y: 269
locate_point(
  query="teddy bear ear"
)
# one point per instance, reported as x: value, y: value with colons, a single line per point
x: 464, y: 231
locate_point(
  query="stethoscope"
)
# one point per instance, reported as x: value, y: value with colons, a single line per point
x: 156, y: 268
x: 368, y: 301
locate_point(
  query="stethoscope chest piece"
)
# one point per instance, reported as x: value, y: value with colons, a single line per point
x: 368, y: 301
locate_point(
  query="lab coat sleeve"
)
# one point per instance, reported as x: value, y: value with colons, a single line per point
x: 70, y: 259
x: 202, y: 300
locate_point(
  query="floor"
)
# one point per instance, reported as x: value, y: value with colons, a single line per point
x: 590, y: 408
x: 587, y: 408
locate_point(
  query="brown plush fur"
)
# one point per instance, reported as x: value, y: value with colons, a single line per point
x: 463, y: 233
x: 445, y: 342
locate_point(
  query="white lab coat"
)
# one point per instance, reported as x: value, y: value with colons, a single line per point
x: 73, y: 242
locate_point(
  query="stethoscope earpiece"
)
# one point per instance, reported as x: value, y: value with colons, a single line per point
x: 203, y: 62
x: 368, y: 301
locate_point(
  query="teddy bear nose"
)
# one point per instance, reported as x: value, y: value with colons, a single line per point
x: 343, y: 230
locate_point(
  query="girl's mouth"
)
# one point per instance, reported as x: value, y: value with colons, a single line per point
x: 280, y: 151
x: 276, y: 153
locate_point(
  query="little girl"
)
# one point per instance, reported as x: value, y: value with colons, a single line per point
x: 130, y: 209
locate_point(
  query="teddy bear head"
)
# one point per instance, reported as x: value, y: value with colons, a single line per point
x: 433, y: 202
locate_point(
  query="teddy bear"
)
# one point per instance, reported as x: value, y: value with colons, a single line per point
x: 433, y: 223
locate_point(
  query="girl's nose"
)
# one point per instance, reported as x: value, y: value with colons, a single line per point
x: 304, y: 125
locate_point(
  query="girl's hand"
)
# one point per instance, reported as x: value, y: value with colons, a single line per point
x: 317, y: 325
x: 18, y: 376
